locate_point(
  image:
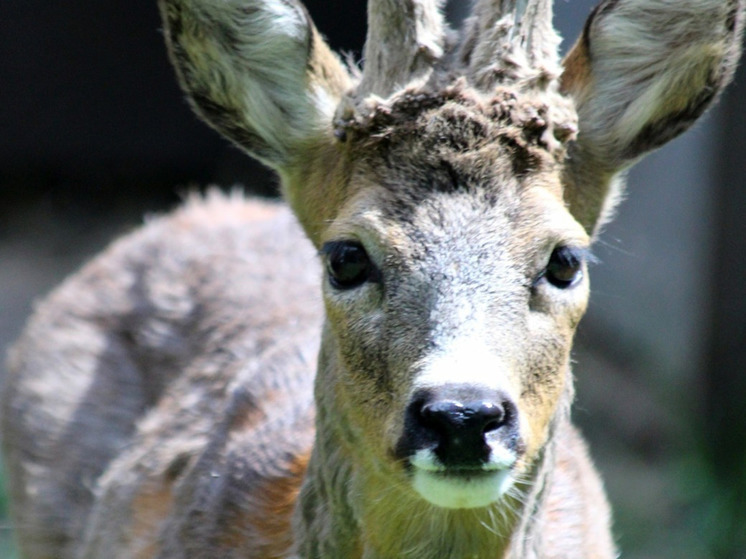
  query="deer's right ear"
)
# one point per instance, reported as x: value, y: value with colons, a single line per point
x: 256, y: 71
x: 641, y: 73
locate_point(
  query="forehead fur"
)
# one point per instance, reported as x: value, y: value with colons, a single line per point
x: 451, y: 139
x: 531, y: 129
x: 456, y: 140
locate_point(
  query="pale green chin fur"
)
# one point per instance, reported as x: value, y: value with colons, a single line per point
x: 467, y: 492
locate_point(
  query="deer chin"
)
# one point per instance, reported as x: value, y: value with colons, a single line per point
x: 461, y: 488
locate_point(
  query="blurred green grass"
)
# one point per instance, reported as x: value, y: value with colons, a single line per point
x: 8, y: 548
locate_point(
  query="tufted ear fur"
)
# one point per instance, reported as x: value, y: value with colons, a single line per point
x: 257, y: 71
x: 641, y: 73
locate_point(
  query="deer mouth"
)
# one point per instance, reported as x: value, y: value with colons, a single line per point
x: 462, y: 487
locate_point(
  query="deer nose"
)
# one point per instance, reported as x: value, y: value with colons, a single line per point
x: 463, y: 429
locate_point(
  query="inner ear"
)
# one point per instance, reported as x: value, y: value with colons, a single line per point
x: 642, y: 72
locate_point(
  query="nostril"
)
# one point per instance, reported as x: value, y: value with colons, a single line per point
x: 443, y: 415
x: 493, y: 416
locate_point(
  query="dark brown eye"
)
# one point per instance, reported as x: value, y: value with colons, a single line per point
x: 347, y: 264
x: 565, y: 267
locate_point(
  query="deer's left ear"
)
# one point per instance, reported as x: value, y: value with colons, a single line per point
x: 641, y: 73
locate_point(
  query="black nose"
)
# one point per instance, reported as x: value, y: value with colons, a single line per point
x: 459, y: 429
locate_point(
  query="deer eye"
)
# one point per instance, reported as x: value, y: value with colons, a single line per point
x: 348, y: 264
x: 565, y: 267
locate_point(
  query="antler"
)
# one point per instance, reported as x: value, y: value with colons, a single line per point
x: 406, y: 38
x: 510, y: 40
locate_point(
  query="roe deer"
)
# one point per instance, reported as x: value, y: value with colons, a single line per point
x: 167, y: 400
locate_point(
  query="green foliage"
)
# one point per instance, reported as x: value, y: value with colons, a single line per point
x: 717, y: 514
x: 7, y: 545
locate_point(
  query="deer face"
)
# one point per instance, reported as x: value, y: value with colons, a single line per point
x: 454, y: 214
x: 453, y: 287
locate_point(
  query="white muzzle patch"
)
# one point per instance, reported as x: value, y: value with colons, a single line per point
x: 462, y: 489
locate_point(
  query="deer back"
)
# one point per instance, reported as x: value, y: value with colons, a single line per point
x: 151, y: 362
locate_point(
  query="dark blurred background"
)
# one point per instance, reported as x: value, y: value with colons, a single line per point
x: 94, y: 134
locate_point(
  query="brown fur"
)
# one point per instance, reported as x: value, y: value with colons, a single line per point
x: 166, y: 401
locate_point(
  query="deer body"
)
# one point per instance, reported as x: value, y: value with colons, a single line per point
x: 168, y: 402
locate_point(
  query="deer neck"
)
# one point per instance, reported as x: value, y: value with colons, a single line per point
x: 351, y: 506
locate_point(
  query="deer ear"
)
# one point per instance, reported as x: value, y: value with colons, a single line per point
x: 640, y: 74
x: 256, y: 71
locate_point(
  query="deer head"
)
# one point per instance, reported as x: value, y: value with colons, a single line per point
x: 453, y: 190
